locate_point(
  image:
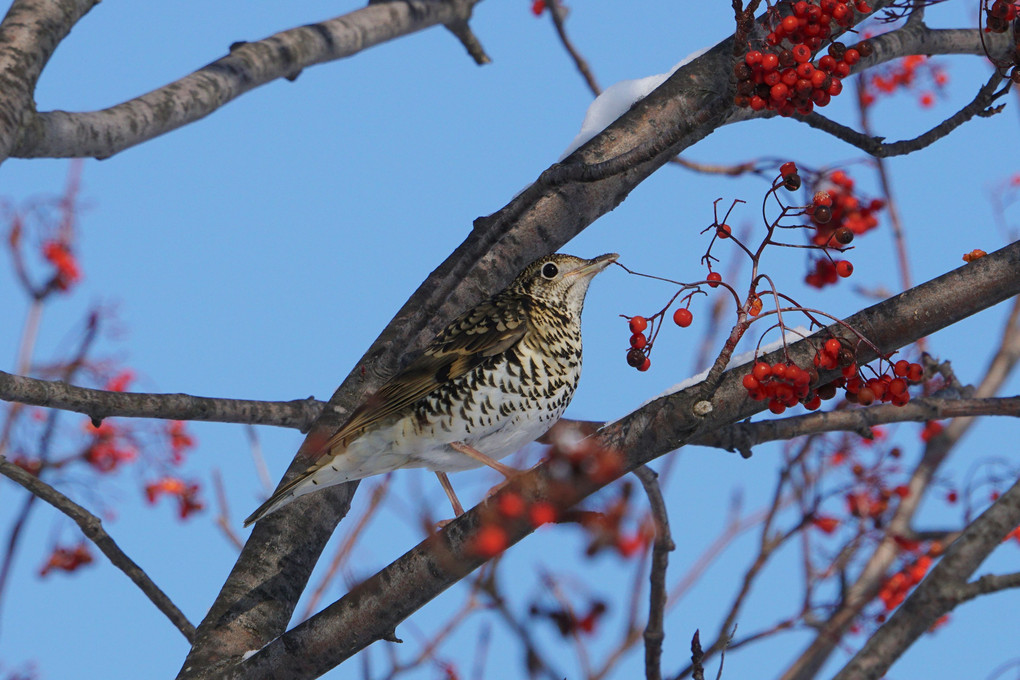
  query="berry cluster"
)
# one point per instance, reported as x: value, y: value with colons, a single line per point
x: 838, y: 215
x: 640, y: 345
x: 1000, y: 14
x: 905, y: 74
x: 781, y: 77
x: 782, y: 385
x: 67, y: 559
x: 884, y: 388
x: 66, y: 272
x: 896, y: 587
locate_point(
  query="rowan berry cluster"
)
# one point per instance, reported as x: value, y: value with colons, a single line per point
x: 641, y: 344
x: 784, y: 385
x: 1000, y: 14
x: 885, y: 388
x: 781, y: 76
x: 837, y: 214
x: 67, y: 559
x: 905, y: 74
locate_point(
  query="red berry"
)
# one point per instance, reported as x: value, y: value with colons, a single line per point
x: 753, y: 57
x: 490, y: 541
x: 713, y: 279
x: 683, y: 317
x: 762, y: 370
x: 789, y: 24
x: 832, y: 346
x: 851, y: 56
x: 788, y: 168
x: 822, y: 198
x: 638, y: 324
x: 750, y: 382
x: 723, y: 231
x: 844, y: 268
x: 510, y: 504
x: 769, y: 61
x: 645, y: 365
x: 779, y: 92
x: 915, y: 372
x: 638, y: 341
x: 542, y: 513
x: 901, y: 367
x: 801, y: 52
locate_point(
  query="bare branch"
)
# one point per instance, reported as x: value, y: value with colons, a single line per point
x: 979, y: 106
x: 657, y: 597
x: 559, y: 16
x: 99, y: 404
x: 61, y: 134
x: 92, y: 527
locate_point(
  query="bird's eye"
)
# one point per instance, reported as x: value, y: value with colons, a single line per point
x: 550, y: 270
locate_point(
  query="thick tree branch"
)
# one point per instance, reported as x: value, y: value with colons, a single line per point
x: 62, y: 134
x: 372, y: 610
x: 29, y: 34
x: 945, y: 587
x: 92, y: 527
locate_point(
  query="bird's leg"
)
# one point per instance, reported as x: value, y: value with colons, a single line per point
x: 444, y: 481
x: 472, y: 452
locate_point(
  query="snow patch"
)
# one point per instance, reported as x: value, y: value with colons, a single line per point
x: 617, y: 99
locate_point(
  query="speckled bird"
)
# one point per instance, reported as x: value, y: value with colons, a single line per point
x: 497, y: 378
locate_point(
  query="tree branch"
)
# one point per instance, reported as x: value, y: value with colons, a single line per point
x: 654, y: 634
x: 99, y: 404
x: 92, y: 527
x: 742, y: 436
x: 61, y: 134
x: 29, y: 34
x: 875, y: 146
x: 943, y: 588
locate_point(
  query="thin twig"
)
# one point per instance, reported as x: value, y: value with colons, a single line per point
x: 92, y: 527
x: 875, y: 146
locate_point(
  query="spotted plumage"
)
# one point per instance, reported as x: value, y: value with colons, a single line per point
x: 495, y: 379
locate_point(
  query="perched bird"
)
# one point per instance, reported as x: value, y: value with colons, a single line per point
x: 495, y: 379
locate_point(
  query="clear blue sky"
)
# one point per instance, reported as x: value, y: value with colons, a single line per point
x: 257, y: 253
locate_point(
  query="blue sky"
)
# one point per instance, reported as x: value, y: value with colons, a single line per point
x: 257, y: 253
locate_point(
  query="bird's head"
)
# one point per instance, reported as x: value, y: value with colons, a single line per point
x: 561, y: 280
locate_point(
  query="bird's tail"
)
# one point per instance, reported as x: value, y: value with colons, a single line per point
x: 304, y: 483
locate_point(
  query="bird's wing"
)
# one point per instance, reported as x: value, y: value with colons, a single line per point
x: 483, y: 332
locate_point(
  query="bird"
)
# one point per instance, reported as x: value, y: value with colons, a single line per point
x: 496, y: 378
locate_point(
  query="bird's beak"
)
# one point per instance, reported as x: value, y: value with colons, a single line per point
x: 595, y: 265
